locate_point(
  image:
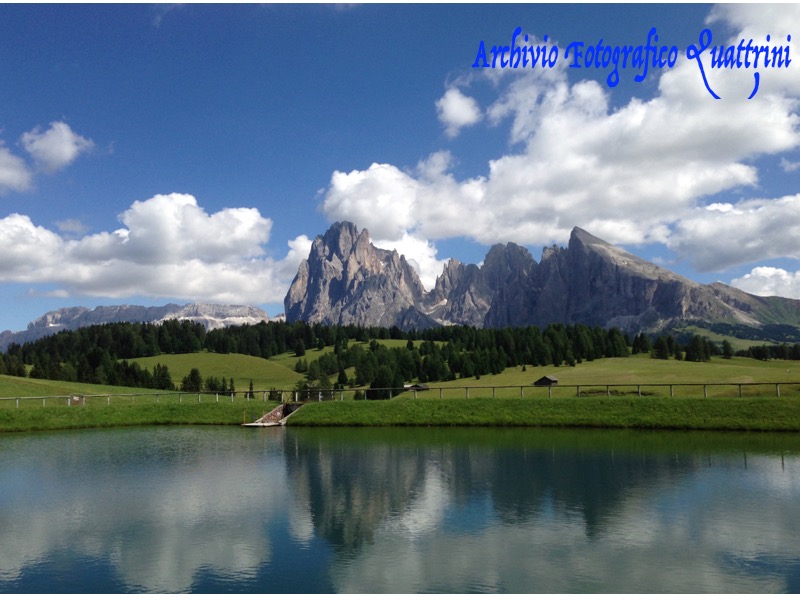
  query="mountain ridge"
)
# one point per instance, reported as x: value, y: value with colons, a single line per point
x: 347, y: 280
x: 589, y: 281
x: 211, y: 316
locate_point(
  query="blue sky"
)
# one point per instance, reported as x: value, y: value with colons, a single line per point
x: 155, y: 154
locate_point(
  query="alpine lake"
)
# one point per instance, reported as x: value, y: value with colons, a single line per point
x: 398, y: 510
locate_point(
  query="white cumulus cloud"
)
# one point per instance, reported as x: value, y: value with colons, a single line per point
x: 56, y: 147
x: 457, y: 111
x: 789, y: 166
x: 51, y: 151
x: 168, y: 246
x: 14, y: 173
x: 641, y: 172
x: 770, y: 281
x: 725, y: 235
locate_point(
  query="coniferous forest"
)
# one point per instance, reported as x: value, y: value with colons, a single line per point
x: 105, y: 353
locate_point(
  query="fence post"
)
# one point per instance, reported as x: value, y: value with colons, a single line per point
x: 639, y: 390
x: 608, y: 391
x: 440, y: 393
x: 17, y: 402
x: 705, y: 391
x: 466, y: 388
x: 521, y: 393
x: 578, y: 390
x: 198, y: 398
x: 217, y: 396
x: 493, y: 389
x: 778, y: 389
x: 44, y: 400
x: 549, y: 391
x: 740, y: 390
x: 670, y: 390
x: 108, y: 400
x: 415, y: 394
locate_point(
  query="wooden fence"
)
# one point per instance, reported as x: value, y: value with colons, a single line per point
x: 739, y: 390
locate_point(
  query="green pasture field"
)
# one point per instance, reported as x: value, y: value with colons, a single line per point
x: 124, y: 415
x: 23, y: 387
x: 621, y: 405
x: 265, y: 373
x: 278, y: 372
x: 626, y: 373
x: 275, y: 372
x: 735, y: 414
x: 111, y: 406
x: 718, y: 338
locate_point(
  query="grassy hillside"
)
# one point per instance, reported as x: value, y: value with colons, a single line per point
x: 687, y: 409
x: 265, y: 373
x: 717, y: 338
x: 643, y: 369
x: 79, y: 417
x: 19, y: 387
x: 278, y: 373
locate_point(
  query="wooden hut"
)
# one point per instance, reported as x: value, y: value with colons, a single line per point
x: 546, y: 381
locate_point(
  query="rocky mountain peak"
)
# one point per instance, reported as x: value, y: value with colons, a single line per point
x: 347, y: 280
x: 581, y: 236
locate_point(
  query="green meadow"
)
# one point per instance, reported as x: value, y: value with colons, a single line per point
x: 126, y: 415
x: 23, y: 387
x: 624, y: 374
x: 684, y: 413
x: 265, y: 374
x: 491, y: 400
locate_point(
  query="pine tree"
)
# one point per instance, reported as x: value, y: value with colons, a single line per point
x: 661, y: 348
x: 193, y: 382
x: 727, y: 349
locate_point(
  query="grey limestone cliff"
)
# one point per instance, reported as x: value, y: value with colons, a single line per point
x: 347, y: 280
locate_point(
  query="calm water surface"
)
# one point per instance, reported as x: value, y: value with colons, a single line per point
x: 215, y: 509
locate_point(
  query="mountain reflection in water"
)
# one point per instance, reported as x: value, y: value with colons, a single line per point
x: 398, y: 510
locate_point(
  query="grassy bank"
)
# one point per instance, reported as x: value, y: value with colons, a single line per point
x: 729, y: 414
x: 732, y: 414
x: 75, y: 417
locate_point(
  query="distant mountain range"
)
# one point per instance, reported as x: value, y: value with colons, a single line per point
x: 212, y: 316
x: 347, y: 280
